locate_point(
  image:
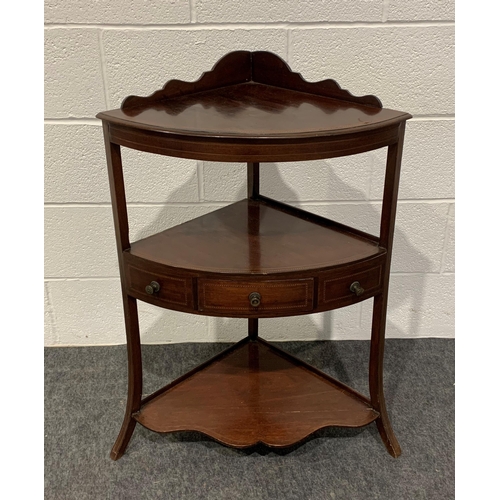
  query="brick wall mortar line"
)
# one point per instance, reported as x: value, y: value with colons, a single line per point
x: 192, y: 11
x: 104, y: 74
x: 446, y: 239
x: 54, y: 279
x: 269, y: 25
x: 288, y: 46
x: 73, y: 121
x: 214, y: 204
x: 217, y: 204
x: 385, y: 10
x: 430, y: 117
x: 51, y: 346
x: 430, y: 201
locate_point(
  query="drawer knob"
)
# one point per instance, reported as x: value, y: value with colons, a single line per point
x: 254, y: 299
x: 356, y: 288
x: 153, y: 287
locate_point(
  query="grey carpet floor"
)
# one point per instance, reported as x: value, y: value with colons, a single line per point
x: 85, y: 391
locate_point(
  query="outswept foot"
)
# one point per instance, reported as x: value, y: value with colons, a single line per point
x: 387, y: 434
x: 123, y: 438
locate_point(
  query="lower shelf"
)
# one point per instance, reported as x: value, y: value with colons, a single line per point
x: 255, y: 393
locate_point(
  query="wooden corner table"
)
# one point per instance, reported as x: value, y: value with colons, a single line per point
x: 258, y: 257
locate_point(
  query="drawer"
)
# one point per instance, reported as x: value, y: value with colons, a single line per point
x: 333, y: 288
x: 272, y: 297
x: 173, y: 290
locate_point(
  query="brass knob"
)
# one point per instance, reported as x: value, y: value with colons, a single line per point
x: 356, y: 288
x: 153, y: 287
x: 254, y: 299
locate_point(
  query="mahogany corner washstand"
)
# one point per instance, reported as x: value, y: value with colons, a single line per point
x: 257, y: 258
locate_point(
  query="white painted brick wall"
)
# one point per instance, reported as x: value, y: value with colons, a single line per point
x: 428, y: 170
x: 139, y: 61
x: 407, y: 67
x: 74, y: 86
x: 449, y: 253
x: 97, y: 53
x: 117, y: 12
x: 267, y: 11
x: 421, y: 10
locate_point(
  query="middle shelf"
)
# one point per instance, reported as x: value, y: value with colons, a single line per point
x: 296, y: 262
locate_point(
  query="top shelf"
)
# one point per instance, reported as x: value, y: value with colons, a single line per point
x: 253, y: 95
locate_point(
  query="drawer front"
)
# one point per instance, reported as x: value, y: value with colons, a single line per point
x: 173, y: 290
x: 273, y: 297
x: 333, y: 288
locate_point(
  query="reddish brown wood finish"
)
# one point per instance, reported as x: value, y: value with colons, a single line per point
x: 334, y: 287
x: 262, y: 149
x: 243, y: 66
x: 387, y: 223
x: 253, y: 180
x: 254, y: 110
x: 232, y: 297
x: 259, y: 111
x: 115, y: 174
x: 363, y: 272
x: 223, y: 242
x: 174, y: 289
x: 253, y: 192
x: 270, y: 69
x: 222, y: 257
x: 251, y: 108
x: 255, y: 394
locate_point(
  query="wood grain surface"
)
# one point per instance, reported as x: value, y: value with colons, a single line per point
x: 253, y: 237
x: 256, y: 393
